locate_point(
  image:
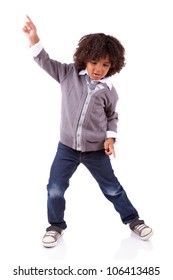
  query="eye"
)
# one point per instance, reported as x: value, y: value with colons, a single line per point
x: 106, y: 65
x: 94, y: 62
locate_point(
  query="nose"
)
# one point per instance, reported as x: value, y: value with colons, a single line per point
x: 98, y: 67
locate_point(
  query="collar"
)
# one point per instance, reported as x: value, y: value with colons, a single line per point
x: 106, y: 80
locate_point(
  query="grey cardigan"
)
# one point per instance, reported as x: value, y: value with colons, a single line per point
x: 100, y: 116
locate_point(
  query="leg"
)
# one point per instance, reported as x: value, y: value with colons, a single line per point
x: 63, y: 167
x: 100, y: 167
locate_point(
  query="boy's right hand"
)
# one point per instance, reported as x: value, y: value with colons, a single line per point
x: 31, y: 32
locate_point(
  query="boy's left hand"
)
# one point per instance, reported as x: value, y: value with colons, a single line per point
x: 109, y: 146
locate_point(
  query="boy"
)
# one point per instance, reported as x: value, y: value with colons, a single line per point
x: 88, y: 126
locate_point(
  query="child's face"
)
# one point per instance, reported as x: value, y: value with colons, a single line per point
x: 97, y: 69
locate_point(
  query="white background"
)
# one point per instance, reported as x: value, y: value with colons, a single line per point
x: 29, y: 125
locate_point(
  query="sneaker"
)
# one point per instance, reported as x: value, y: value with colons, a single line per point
x: 141, y: 229
x: 51, y: 237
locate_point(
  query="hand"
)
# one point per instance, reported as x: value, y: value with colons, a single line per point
x: 109, y: 146
x: 31, y: 32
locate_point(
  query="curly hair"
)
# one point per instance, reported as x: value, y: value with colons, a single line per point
x: 98, y: 45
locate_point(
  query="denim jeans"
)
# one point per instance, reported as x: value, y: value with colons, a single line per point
x: 98, y: 163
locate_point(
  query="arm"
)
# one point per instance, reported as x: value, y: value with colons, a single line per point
x: 54, y: 68
x: 111, y: 137
x: 112, y: 118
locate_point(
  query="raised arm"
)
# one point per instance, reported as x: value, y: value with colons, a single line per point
x: 31, y: 31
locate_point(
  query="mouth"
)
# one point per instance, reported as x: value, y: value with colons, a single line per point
x: 96, y: 76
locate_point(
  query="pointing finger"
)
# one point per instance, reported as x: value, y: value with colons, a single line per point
x: 29, y: 19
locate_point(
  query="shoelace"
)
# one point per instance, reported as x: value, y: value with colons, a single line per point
x: 140, y: 227
x: 51, y: 233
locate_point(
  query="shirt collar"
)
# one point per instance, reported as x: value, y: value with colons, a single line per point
x: 106, y: 80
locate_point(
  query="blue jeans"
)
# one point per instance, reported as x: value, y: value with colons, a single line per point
x: 98, y: 163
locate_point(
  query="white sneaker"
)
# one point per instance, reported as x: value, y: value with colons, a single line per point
x: 141, y: 229
x: 51, y: 237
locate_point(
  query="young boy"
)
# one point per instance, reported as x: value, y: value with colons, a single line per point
x: 88, y: 126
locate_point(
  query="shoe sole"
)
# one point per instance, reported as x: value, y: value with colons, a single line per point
x: 51, y: 244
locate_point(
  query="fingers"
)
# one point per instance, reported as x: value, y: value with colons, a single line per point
x: 113, y: 153
x: 29, y: 19
x: 110, y: 152
x: 29, y: 25
x: 25, y: 29
x: 109, y: 149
